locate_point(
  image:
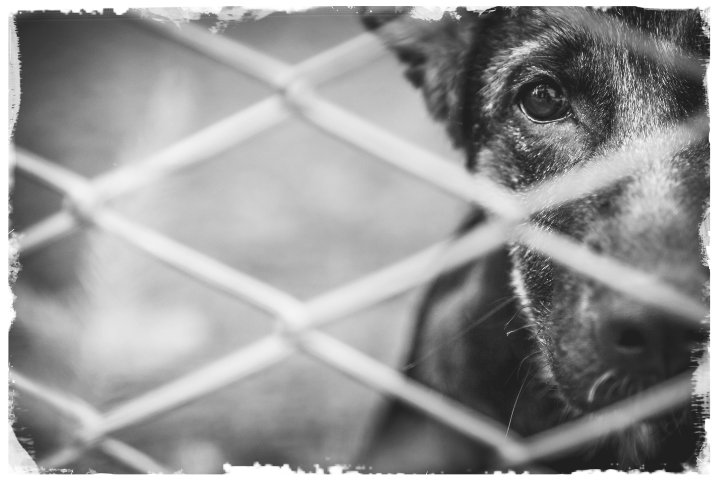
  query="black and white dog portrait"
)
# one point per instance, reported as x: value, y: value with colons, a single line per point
x: 379, y: 239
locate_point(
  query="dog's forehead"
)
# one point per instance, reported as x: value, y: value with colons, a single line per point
x: 671, y: 32
x: 603, y: 52
x: 552, y: 34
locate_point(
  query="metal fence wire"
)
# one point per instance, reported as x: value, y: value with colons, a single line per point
x: 88, y: 205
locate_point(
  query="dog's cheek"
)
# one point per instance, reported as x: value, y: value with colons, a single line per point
x: 520, y: 154
x: 545, y: 151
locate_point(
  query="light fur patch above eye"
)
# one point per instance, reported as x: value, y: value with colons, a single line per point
x: 497, y: 72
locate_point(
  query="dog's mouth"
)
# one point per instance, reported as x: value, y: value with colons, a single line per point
x: 639, y: 442
x: 614, y: 385
x: 612, y: 377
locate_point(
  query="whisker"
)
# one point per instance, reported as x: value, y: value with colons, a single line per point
x: 520, y: 364
x: 500, y: 305
x: 512, y: 412
x: 536, y: 352
x: 515, y: 315
x: 518, y: 329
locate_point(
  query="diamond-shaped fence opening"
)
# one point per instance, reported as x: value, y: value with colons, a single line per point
x: 273, y: 221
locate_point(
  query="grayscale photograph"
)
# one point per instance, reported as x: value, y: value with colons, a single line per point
x: 359, y: 239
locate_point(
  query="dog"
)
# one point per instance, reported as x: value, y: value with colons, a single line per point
x: 526, y: 94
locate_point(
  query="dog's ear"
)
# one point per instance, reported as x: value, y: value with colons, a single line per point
x: 434, y: 52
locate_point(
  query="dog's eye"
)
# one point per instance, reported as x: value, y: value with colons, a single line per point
x: 543, y: 101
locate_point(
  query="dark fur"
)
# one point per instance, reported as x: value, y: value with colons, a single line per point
x: 515, y: 335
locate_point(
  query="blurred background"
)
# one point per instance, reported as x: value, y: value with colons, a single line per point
x: 293, y: 206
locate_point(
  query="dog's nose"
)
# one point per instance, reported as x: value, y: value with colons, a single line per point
x: 655, y: 345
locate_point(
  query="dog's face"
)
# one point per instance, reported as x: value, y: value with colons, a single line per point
x: 572, y: 87
x: 530, y: 93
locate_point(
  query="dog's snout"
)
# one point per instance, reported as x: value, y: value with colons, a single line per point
x: 653, y: 345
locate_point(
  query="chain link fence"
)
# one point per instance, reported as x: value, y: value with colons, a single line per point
x: 88, y: 205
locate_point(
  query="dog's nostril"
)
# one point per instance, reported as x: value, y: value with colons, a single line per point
x: 631, y: 340
x: 628, y: 338
x: 648, y: 344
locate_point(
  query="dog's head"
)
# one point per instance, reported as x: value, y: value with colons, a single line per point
x: 530, y: 93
